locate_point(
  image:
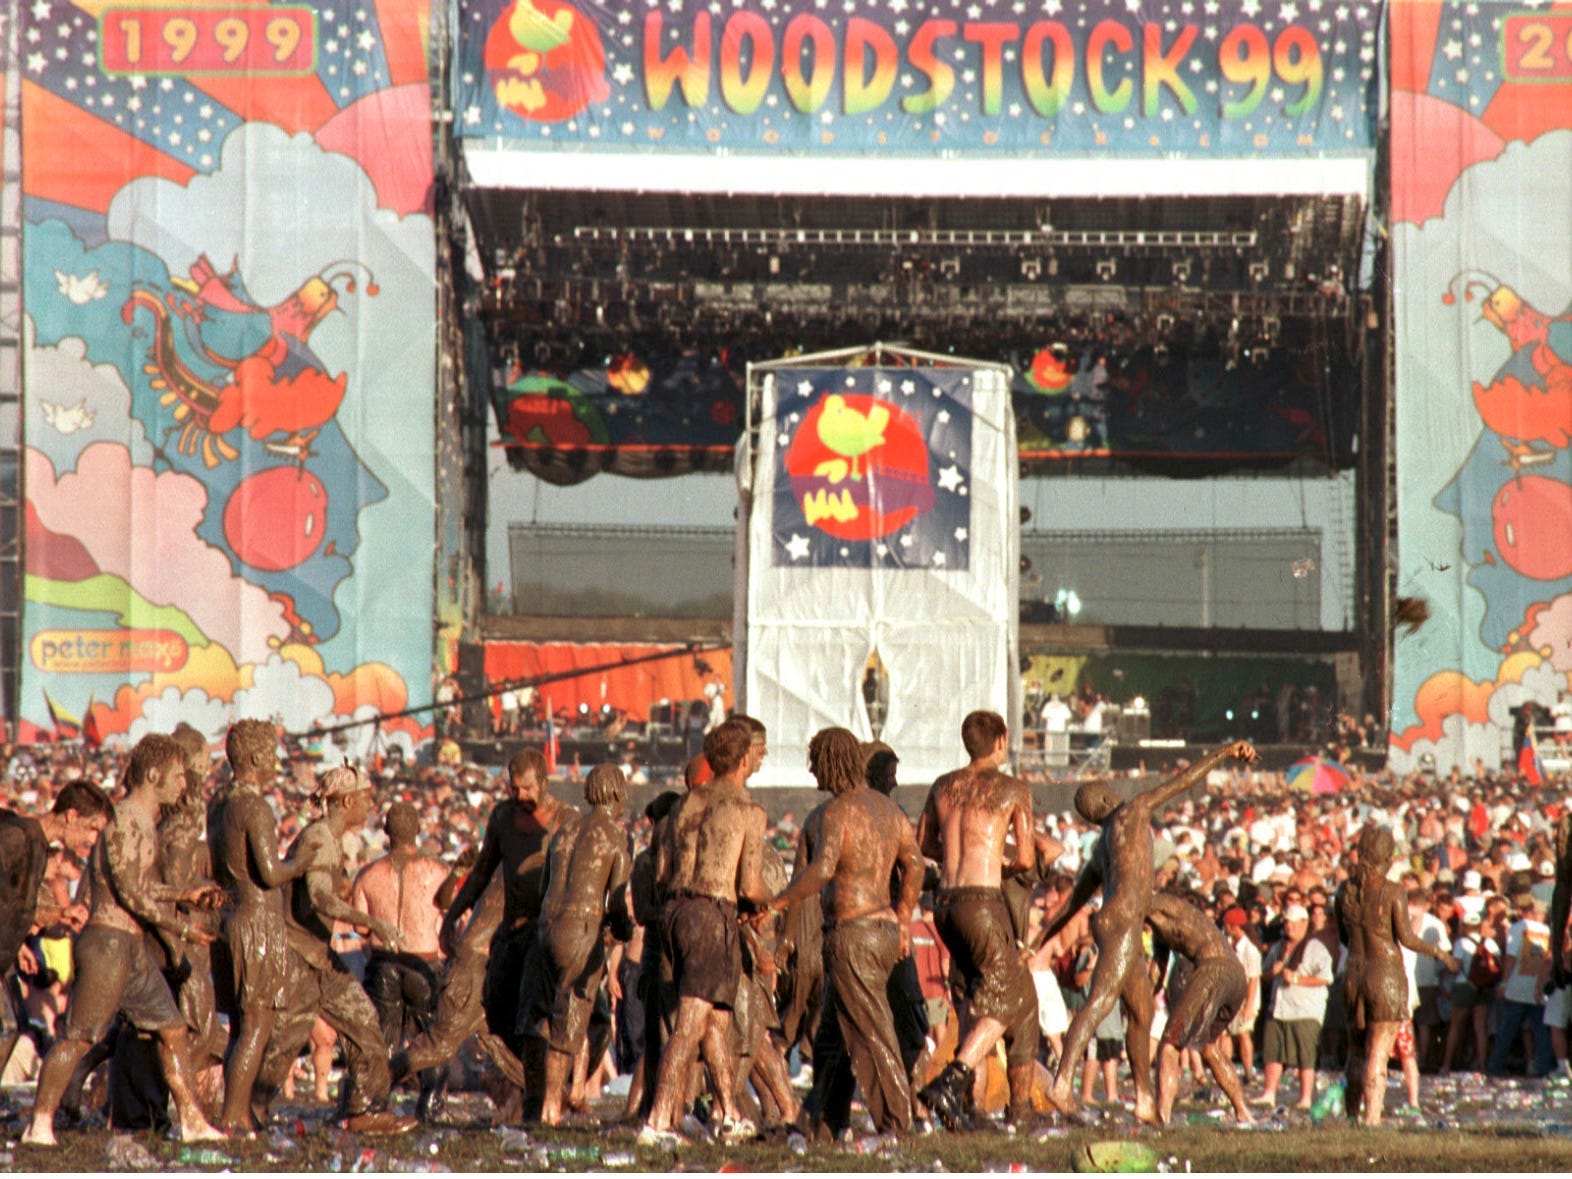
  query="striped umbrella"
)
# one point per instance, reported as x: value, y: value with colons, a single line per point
x: 1318, y: 775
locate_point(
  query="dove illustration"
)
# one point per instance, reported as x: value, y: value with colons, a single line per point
x: 81, y: 289
x: 68, y: 419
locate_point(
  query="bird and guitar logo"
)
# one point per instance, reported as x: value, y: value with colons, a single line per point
x: 875, y: 469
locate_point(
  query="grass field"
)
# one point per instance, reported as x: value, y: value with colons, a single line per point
x: 1296, y: 1146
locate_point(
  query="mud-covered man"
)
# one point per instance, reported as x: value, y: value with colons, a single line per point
x: 516, y: 836
x: 319, y: 982
x: 252, y: 965
x: 1121, y: 865
x: 1212, y: 996
x: 863, y: 838
x: 587, y: 862
x: 709, y: 860
x: 966, y: 822
x: 80, y: 812
x: 401, y: 889
x: 114, y: 972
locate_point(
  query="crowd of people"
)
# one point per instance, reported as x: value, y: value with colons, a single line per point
x: 186, y: 941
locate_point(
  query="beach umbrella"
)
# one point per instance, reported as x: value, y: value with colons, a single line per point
x: 1318, y: 775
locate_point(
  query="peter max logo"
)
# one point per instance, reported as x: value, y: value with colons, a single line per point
x: 99, y: 652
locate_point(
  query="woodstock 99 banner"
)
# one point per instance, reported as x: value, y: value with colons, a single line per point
x: 229, y: 316
x: 903, y: 77
x: 1482, y: 205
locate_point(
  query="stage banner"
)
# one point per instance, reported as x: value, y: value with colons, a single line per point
x: 883, y: 534
x: 1482, y: 237
x: 1227, y: 78
x: 229, y: 370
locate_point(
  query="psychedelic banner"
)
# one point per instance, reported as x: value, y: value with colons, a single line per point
x: 1482, y: 205
x: 876, y: 469
x: 897, y: 78
x: 229, y: 370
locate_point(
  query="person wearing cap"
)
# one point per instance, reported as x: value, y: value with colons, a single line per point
x: 1470, y: 1004
x: 1525, y: 965
x: 1241, y: 1032
x: 319, y: 982
x: 1301, y: 968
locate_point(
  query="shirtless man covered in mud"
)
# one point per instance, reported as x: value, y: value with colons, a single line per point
x: 863, y: 838
x: 964, y: 826
x: 587, y: 861
x: 708, y: 861
x: 1214, y: 994
x: 242, y: 836
x: 401, y: 888
x: 114, y: 972
x: 319, y: 982
x: 1121, y: 865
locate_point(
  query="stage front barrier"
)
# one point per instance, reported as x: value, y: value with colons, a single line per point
x: 880, y: 517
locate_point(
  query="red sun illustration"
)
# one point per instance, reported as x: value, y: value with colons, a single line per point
x: 859, y: 467
x: 275, y: 519
x: 545, y: 61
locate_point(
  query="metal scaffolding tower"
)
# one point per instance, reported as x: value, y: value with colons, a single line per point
x: 11, y: 488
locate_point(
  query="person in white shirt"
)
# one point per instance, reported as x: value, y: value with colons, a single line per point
x: 1426, y: 973
x: 1470, y: 1005
x: 1526, y: 965
x: 1056, y: 715
x: 1241, y: 1032
x: 1302, y: 969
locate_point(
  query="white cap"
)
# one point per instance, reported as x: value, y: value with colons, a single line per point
x: 1471, y: 879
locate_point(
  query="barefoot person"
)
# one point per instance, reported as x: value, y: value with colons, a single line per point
x: 1122, y: 866
x: 401, y: 981
x: 708, y: 860
x: 863, y: 840
x: 516, y: 836
x: 80, y: 812
x: 1372, y: 920
x: 965, y: 824
x: 587, y: 862
x: 253, y: 958
x: 114, y: 974
x: 319, y: 982
x: 1215, y: 992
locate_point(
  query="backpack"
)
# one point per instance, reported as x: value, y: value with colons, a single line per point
x: 1484, y: 972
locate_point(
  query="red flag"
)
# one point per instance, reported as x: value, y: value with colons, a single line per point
x: 92, y: 735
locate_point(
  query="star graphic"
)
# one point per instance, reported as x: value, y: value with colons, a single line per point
x: 950, y: 477
x: 1288, y: 13
x: 797, y: 547
x: 35, y: 62
x: 804, y: 388
x: 938, y: 558
x: 908, y: 387
x: 882, y: 549
x: 41, y: 10
x: 1251, y: 8
x: 622, y: 74
x: 906, y: 541
x: 1453, y: 50
x: 366, y: 39
x: 472, y: 116
x: 944, y: 415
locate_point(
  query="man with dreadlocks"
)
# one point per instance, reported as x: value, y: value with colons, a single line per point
x: 862, y: 837
x: 587, y: 863
x: 1372, y: 920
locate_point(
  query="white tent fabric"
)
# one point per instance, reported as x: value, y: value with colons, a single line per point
x: 945, y: 633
